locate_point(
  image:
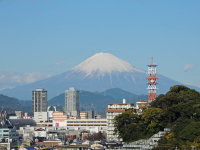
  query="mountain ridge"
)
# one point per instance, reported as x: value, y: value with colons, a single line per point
x: 131, y: 80
x: 11, y: 104
x: 89, y: 100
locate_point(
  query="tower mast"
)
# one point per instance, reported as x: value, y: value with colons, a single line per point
x: 152, y: 81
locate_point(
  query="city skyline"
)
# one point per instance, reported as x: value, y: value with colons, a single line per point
x: 40, y: 39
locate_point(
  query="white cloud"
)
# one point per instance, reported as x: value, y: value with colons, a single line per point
x: 32, y: 77
x: 26, y: 77
x: 188, y: 67
x: 13, y: 79
x: 8, y: 87
x: 17, y: 78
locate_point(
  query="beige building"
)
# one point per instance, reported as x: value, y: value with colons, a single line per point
x: 113, y: 110
x: 83, y: 115
x: 59, y: 119
x: 92, y: 125
x: 141, y: 104
x: 86, y: 114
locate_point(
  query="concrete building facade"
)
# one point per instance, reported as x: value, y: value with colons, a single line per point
x: 39, y: 101
x: 72, y: 102
x: 59, y: 119
x: 113, y: 110
x: 86, y: 115
x: 92, y: 125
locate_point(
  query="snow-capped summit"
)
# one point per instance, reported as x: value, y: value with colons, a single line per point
x: 98, y: 73
x: 105, y: 63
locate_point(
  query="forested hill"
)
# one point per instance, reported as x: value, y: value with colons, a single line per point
x: 11, y: 104
x: 178, y: 109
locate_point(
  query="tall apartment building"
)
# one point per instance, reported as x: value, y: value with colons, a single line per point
x: 72, y: 102
x: 113, y: 110
x: 39, y: 101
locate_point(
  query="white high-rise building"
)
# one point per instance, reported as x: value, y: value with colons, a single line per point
x: 113, y: 110
x: 72, y: 102
x: 39, y: 100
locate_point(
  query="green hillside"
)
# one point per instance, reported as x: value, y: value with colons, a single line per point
x: 178, y: 109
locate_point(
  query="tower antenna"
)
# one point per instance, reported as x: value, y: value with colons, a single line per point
x: 152, y: 81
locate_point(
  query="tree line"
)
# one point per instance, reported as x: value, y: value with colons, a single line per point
x: 178, y: 109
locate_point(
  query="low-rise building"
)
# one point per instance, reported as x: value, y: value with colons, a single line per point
x: 92, y: 125
x: 140, y: 105
x: 83, y: 115
x: 19, y: 114
x: 146, y: 144
x: 27, y: 134
x: 59, y: 119
x: 40, y: 132
x: 86, y: 114
x: 8, y: 134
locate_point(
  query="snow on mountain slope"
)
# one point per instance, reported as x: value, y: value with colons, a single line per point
x: 98, y: 73
x: 105, y: 63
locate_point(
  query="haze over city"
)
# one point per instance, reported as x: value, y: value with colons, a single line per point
x: 40, y: 39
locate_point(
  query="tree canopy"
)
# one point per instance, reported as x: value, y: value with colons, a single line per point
x: 127, y: 123
x: 178, y: 109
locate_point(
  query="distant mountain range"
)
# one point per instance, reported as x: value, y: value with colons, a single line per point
x: 96, y: 101
x: 11, y: 104
x: 98, y: 73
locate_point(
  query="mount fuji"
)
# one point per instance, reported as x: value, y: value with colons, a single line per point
x: 98, y: 73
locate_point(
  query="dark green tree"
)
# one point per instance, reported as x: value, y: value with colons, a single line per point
x: 153, y: 120
x: 127, y: 126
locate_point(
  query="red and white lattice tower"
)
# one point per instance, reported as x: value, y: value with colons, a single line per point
x: 152, y: 80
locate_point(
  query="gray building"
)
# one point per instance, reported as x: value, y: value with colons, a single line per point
x: 72, y: 102
x: 39, y: 101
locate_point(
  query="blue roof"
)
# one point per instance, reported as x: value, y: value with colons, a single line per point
x: 29, y: 148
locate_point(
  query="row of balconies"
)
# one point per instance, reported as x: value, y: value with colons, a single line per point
x: 119, y: 106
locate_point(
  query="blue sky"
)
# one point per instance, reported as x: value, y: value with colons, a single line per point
x: 49, y: 37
